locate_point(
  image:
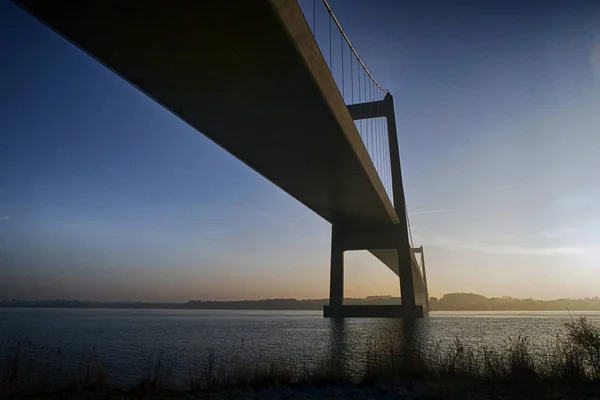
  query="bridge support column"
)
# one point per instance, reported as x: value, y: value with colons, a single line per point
x: 407, y: 289
x: 407, y: 286
x: 336, y: 277
x: 419, y: 250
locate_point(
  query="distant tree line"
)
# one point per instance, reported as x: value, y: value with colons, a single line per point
x: 477, y: 302
x: 285, y: 304
x: 448, y: 302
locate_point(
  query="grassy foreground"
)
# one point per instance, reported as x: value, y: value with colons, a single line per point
x: 569, y: 367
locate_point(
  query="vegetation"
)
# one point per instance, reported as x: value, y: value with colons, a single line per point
x: 569, y: 365
x: 477, y: 302
x: 449, y: 302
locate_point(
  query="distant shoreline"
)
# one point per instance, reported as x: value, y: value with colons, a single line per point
x: 268, y: 309
x: 449, y: 302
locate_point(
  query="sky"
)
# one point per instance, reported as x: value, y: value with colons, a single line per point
x: 104, y: 195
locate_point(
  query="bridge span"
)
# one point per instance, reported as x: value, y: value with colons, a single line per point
x: 251, y: 76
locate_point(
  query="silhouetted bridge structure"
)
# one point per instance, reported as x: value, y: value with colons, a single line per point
x: 282, y: 89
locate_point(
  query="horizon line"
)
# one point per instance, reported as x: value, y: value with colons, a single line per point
x: 595, y: 298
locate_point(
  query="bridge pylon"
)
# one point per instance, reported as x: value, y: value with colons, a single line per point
x: 389, y: 237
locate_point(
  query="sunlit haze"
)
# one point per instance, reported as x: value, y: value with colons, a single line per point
x: 105, y: 195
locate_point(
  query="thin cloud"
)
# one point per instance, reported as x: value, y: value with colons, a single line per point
x: 557, y: 233
x: 571, y: 204
x: 428, y: 212
x: 215, y: 232
x: 6, y: 217
x: 539, y: 251
x: 452, y: 244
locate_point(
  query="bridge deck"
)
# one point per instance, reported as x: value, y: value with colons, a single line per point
x: 247, y: 74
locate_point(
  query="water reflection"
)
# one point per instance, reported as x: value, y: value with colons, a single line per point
x: 338, y: 347
x: 352, y: 341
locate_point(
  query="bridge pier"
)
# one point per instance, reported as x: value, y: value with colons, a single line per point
x: 336, y: 279
x: 388, y: 238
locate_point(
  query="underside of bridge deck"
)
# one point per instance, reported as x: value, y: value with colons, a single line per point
x: 248, y: 75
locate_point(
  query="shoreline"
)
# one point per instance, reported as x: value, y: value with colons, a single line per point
x: 448, y: 302
x: 159, y: 307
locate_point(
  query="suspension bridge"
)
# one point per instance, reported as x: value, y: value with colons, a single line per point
x: 280, y: 86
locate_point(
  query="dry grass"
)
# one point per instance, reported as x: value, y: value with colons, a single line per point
x: 573, y: 357
x: 157, y: 377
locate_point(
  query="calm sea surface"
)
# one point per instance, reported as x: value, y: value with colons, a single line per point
x: 128, y: 340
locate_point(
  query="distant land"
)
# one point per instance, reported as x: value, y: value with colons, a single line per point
x: 449, y: 302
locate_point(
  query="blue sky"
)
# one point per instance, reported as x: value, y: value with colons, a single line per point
x: 105, y: 195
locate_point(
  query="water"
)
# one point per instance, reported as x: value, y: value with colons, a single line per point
x: 127, y: 340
